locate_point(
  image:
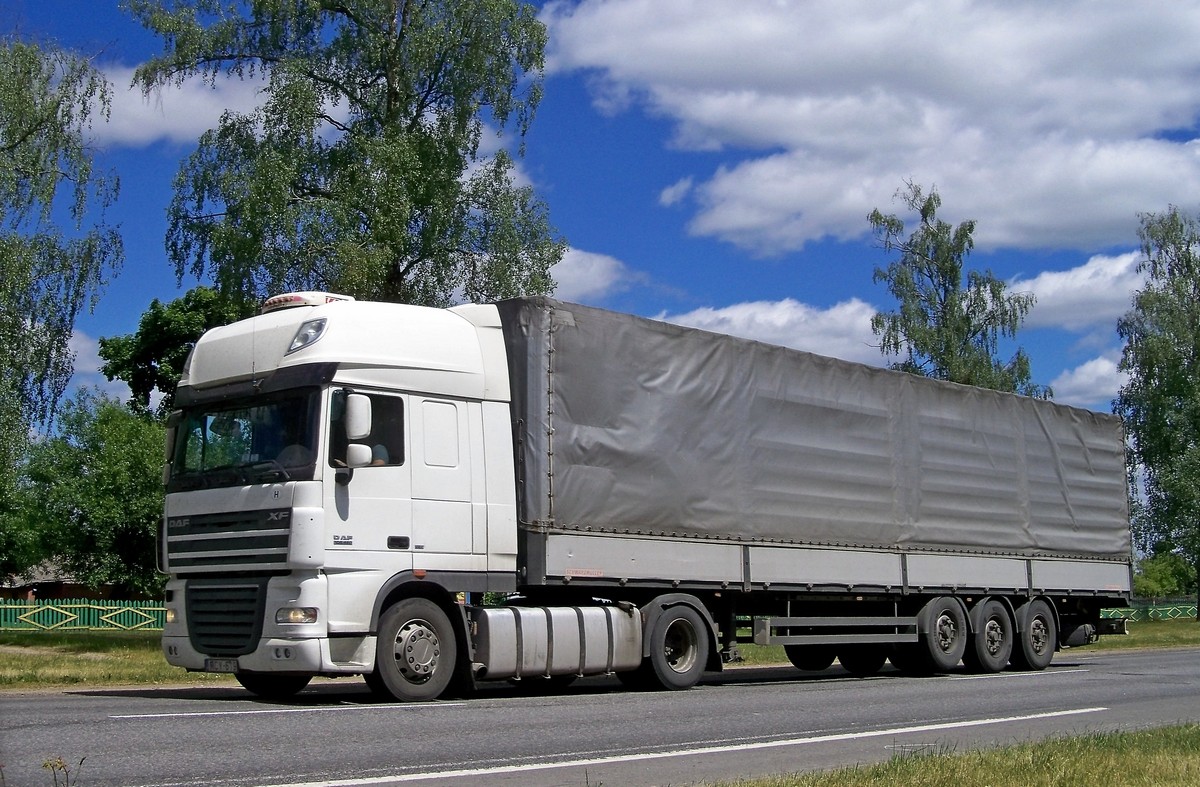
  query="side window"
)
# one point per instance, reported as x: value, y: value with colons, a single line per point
x: 387, y: 431
x: 441, y: 434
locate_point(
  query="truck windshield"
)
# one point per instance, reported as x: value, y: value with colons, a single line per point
x: 264, y: 440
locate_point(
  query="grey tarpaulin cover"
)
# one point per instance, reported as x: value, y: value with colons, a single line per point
x: 633, y: 425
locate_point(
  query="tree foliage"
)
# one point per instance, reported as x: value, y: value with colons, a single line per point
x: 1160, y: 402
x: 94, y: 493
x: 48, y: 273
x: 365, y: 169
x: 945, y: 327
x: 1167, y: 575
x: 152, y: 359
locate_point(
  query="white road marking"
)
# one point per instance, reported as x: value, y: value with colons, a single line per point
x: 465, y: 773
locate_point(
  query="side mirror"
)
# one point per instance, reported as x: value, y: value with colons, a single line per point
x: 358, y: 455
x: 358, y: 419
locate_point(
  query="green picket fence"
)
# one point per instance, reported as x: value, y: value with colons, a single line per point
x: 1144, y: 612
x: 81, y: 615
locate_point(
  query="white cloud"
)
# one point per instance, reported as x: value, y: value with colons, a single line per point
x: 173, y: 113
x: 1044, y: 121
x: 586, y: 277
x: 675, y: 193
x: 87, y: 368
x: 1093, y: 384
x: 1093, y: 295
x: 842, y: 331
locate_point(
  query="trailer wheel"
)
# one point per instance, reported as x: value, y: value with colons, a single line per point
x: 992, y: 642
x: 270, y: 686
x: 862, y: 660
x: 811, y: 658
x: 415, y: 651
x: 1037, y: 638
x: 945, y: 638
x: 678, y: 647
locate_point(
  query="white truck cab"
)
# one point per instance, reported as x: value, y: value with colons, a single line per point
x: 322, y: 450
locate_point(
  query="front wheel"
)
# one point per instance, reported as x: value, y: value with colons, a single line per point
x: 415, y: 651
x: 678, y: 647
x: 272, y: 687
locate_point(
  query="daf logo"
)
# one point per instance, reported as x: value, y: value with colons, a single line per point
x: 180, y: 521
x: 278, y: 516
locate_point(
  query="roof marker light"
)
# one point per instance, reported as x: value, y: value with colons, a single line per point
x: 308, y: 298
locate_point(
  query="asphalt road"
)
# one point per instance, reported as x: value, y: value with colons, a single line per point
x: 743, y: 722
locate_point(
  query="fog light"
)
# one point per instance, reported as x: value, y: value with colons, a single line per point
x: 296, y: 615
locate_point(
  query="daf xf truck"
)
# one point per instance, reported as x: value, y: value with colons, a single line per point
x: 348, y: 482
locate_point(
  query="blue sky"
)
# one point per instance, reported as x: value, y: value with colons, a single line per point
x: 713, y: 162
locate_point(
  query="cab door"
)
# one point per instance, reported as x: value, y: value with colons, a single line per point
x: 370, y: 508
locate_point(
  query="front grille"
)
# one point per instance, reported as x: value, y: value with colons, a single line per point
x: 226, y: 619
x: 236, y: 541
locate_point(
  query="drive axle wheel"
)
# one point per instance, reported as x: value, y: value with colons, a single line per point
x: 415, y: 651
x: 678, y: 647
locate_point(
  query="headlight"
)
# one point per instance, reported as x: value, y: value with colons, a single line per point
x: 296, y: 615
x: 308, y: 333
x: 170, y: 615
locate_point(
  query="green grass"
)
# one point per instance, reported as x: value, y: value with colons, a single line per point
x: 1163, y: 757
x: 1153, y: 634
x: 49, y: 659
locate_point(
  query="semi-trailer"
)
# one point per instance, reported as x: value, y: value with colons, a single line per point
x: 533, y: 490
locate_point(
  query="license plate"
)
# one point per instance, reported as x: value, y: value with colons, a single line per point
x: 220, y: 665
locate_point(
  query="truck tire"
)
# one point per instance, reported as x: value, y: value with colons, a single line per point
x: 862, y: 660
x: 270, y: 686
x: 991, y: 642
x: 678, y: 647
x: 811, y: 658
x: 1038, y: 637
x: 415, y: 652
x: 945, y: 636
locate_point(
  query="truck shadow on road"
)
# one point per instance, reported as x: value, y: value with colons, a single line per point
x: 343, y: 691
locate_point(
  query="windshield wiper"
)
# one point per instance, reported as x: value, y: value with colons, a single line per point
x: 268, y: 469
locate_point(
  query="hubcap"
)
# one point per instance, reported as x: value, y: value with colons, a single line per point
x: 993, y: 636
x: 1039, y: 635
x: 679, y: 646
x: 417, y: 650
x: 946, y: 633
